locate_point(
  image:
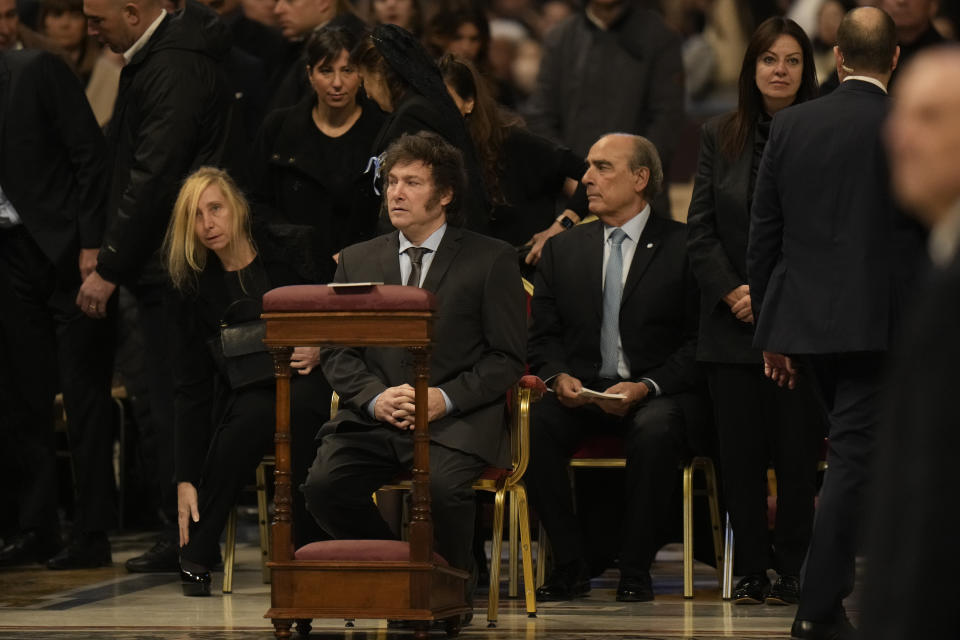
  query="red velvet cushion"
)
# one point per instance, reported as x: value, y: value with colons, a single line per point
x: 360, y: 550
x: 601, y: 446
x: 533, y: 382
x: 320, y: 297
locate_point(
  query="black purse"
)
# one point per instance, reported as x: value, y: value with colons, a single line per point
x: 239, y: 350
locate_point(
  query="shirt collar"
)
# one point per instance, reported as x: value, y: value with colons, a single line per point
x: 872, y: 81
x: 632, y: 227
x: 945, y: 238
x: 432, y: 243
x: 144, y: 39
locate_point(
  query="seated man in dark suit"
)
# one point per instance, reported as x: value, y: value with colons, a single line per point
x: 478, y: 353
x: 614, y: 310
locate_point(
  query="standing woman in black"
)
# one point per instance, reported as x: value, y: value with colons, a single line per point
x: 224, y: 422
x: 526, y: 174
x: 309, y: 160
x: 758, y: 422
x: 405, y: 81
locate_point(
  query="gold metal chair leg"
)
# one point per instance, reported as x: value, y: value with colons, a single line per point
x: 543, y: 553
x: 230, y: 551
x: 688, y: 531
x: 513, y: 566
x: 263, y: 521
x: 526, y: 548
x: 711, y: 476
x: 726, y: 592
x: 495, y: 556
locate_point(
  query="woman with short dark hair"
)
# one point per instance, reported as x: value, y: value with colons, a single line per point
x: 309, y: 160
x: 758, y: 423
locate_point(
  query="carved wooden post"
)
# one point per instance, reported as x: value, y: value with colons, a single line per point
x: 281, y: 527
x: 421, y: 525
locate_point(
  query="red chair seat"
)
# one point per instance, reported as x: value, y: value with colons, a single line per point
x: 601, y: 446
x: 360, y: 551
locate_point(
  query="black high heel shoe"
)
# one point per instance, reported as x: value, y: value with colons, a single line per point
x: 195, y: 584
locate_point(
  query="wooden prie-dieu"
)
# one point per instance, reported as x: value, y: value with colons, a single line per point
x: 355, y: 579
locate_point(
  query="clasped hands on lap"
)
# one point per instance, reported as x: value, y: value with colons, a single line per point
x: 568, y: 391
x: 396, y: 406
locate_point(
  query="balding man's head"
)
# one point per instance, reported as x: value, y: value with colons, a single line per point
x: 623, y: 175
x: 923, y: 133
x: 120, y: 23
x: 867, y: 42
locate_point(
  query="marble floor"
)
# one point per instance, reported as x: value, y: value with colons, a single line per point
x: 110, y: 603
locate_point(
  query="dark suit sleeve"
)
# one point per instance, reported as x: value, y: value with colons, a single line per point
x: 679, y: 372
x: 194, y: 374
x: 505, y: 334
x: 345, y: 368
x: 765, y: 240
x: 69, y: 113
x: 546, y: 355
x: 164, y: 150
x: 711, y: 265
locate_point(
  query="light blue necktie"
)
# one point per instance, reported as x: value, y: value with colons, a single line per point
x: 612, y: 291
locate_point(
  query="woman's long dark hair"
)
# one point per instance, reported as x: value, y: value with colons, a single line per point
x: 488, y: 124
x: 737, y: 128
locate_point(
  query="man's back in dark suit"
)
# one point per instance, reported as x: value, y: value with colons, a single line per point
x: 822, y: 259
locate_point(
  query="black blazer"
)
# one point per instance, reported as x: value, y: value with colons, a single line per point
x: 717, y: 225
x: 52, y: 156
x: 825, y: 241
x: 658, y: 310
x: 479, y: 340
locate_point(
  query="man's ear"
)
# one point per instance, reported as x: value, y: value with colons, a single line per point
x: 641, y: 178
x: 447, y: 198
x: 131, y: 14
x: 896, y: 58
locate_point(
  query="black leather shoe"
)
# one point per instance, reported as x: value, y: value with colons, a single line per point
x: 786, y: 590
x: 195, y: 583
x: 566, y: 582
x: 808, y: 630
x: 752, y: 589
x: 88, y: 551
x: 635, y: 589
x: 27, y: 548
x: 162, y: 557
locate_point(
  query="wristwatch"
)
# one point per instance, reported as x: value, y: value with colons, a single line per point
x: 565, y: 221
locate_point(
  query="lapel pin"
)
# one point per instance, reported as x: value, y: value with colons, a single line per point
x: 650, y: 246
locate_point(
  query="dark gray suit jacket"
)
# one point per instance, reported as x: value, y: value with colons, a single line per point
x: 479, y: 340
x: 827, y: 250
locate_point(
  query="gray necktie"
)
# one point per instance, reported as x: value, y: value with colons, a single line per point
x: 416, y: 264
x: 612, y: 291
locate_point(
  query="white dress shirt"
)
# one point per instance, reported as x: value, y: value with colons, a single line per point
x: 9, y: 217
x: 144, y: 39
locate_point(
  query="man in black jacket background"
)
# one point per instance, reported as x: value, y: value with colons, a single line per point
x: 173, y: 114
x: 52, y: 193
x: 825, y: 261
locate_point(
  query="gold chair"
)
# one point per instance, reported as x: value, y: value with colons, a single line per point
x: 263, y: 523
x: 605, y: 452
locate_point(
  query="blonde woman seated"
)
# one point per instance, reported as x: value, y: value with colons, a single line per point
x: 224, y: 412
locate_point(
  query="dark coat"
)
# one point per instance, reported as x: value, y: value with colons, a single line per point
x: 658, y: 309
x: 293, y: 180
x: 52, y: 155
x: 479, y: 340
x: 628, y: 78
x: 826, y: 245
x: 915, y: 477
x: 415, y: 113
x: 203, y: 394
x: 172, y: 116
x: 717, y: 241
x: 532, y: 171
